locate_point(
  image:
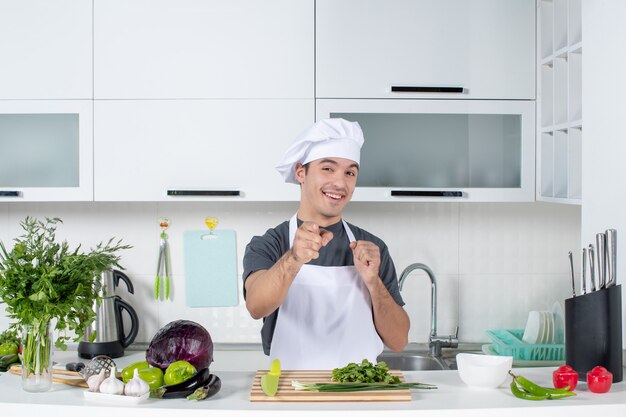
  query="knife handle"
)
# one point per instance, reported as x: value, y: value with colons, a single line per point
x: 571, y: 271
x: 601, y: 259
x: 583, y: 275
x: 611, y: 252
x: 592, y: 269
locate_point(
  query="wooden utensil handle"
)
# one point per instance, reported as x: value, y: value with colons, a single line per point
x: 54, y: 371
x: 75, y: 382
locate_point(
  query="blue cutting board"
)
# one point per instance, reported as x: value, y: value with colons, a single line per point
x: 210, y: 268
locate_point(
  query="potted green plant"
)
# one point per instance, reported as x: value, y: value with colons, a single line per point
x: 46, y: 285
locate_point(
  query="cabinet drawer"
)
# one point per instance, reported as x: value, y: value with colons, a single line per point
x: 203, y: 49
x: 195, y: 150
x: 485, y: 48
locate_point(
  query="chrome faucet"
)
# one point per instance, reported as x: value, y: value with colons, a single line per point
x: 435, y: 342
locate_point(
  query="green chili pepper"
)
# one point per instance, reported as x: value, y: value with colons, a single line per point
x: 535, y: 389
x: 528, y: 390
x: 526, y: 395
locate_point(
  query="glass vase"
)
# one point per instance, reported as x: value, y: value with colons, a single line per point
x: 37, y: 357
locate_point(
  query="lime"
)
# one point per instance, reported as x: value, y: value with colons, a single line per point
x: 269, y: 384
x: 275, y: 368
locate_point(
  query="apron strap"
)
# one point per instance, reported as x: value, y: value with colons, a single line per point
x: 293, y: 226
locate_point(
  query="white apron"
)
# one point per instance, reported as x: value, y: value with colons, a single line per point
x: 326, y: 320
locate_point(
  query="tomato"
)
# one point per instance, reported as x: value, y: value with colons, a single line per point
x: 565, y: 376
x: 599, y: 380
x: 178, y: 371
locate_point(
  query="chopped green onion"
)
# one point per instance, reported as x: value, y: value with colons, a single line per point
x: 358, y: 386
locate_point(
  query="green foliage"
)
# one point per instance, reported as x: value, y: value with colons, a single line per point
x: 9, y: 336
x: 365, y: 372
x: 42, y: 280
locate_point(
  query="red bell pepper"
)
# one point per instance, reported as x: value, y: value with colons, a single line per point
x: 599, y: 380
x: 565, y: 376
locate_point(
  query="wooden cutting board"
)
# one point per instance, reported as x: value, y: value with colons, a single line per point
x: 287, y: 393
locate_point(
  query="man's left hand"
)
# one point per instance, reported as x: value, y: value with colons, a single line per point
x: 366, y: 260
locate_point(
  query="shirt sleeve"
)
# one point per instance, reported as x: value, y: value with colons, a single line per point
x: 261, y: 253
x: 388, y: 275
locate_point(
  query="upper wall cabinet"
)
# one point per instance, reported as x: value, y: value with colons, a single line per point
x: 482, y: 49
x: 203, y: 49
x: 45, y: 49
x: 46, y: 150
x: 195, y: 150
x: 435, y: 150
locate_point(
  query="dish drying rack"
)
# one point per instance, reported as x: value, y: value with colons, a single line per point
x: 508, y: 342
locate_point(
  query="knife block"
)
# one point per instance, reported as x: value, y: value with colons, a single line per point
x: 593, y: 332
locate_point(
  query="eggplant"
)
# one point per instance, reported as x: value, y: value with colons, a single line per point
x: 211, y: 388
x: 75, y: 366
x: 182, y: 389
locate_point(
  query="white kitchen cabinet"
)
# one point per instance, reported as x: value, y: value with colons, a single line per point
x: 485, y: 48
x: 203, y: 49
x: 442, y: 150
x: 45, y: 49
x: 46, y: 150
x: 195, y: 150
x: 560, y: 110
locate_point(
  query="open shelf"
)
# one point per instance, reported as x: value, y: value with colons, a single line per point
x: 547, y: 95
x: 560, y: 109
x: 575, y: 86
x: 575, y: 22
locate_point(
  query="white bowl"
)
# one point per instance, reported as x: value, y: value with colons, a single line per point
x: 483, y: 371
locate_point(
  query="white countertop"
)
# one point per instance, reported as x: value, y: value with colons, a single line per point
x: 452, y: 398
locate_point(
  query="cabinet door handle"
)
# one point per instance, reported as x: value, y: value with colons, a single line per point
x: 418, y: 89
x: 403, y: 193
x: 9, y: 193
x: 204, y: 193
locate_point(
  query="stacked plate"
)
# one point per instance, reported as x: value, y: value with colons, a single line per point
x: 540, y: 328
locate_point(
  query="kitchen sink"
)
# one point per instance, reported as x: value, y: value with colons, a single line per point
x: 413, y: 362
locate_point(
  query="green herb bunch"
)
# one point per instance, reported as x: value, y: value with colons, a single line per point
x: 42, y: 281
x: 365, y: 372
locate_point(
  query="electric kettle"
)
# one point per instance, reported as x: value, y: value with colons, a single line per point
x: 110, y: 336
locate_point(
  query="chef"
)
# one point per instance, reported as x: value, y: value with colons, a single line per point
x: 327, y: 290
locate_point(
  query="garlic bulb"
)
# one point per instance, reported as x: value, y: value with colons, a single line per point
x: 136, y: 387
x: 94, y: 381
x: 112, y: 385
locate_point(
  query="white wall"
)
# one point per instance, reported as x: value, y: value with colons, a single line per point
x: 494, y: 262
x: 604, y: 112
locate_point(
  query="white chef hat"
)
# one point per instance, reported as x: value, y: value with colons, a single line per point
x: 327, y: 138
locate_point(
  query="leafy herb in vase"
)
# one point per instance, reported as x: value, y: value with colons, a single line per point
x: 44, y: 282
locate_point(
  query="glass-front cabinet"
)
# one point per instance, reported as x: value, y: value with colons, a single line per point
x: 46, y: 150
x: 426, y: 150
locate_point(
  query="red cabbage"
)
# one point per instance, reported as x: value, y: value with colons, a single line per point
x: 181, y: 340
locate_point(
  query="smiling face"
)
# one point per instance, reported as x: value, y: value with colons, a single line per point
x: 327, y: 186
